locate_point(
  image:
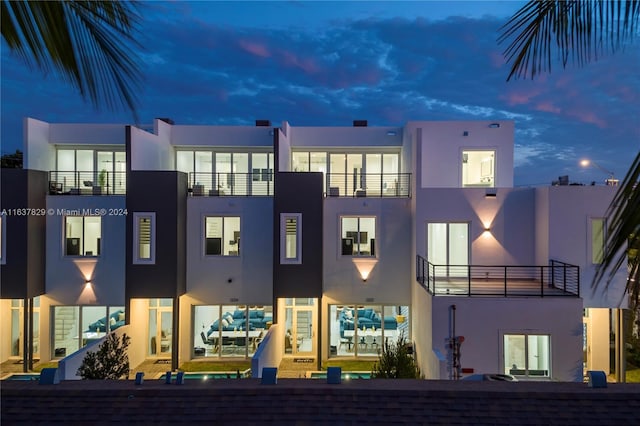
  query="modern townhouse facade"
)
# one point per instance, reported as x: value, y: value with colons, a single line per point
x: 202, y: 240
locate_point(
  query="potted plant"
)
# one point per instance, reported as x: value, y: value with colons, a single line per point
x: 102, y: 182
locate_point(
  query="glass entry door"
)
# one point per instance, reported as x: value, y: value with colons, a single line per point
x: 160, y: 327
x: 300, y: 320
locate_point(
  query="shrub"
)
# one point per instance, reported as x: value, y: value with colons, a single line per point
x: 109, y: 362
x: 396, y: 362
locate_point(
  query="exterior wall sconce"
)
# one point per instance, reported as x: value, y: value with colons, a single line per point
x: 490, y: 193
x: 364, y: 267
x: 87, y: 283
x: 494, y: 125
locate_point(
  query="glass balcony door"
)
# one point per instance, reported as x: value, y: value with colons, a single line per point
x: 448, y: 247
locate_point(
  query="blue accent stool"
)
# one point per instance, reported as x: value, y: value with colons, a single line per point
x: 167, y: 378
x: 49, y: 376
x: 180, y: 378
x: 139, y: 378
x: 334, y: 375
x: 597, y: 379
x: 269, y: 376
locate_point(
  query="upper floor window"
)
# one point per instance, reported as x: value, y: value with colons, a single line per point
x: 230, y: 173
x: 291, y: 238
x: 86, y: 169
x: 597, y: 240
x: 83, y: 235
x: 358, y: 236
x: 144, y: 238
x: 478, y: 168
x: 222, y: 236
x: 348, y: 174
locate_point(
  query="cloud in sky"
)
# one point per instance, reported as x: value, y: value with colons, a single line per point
x: 217, y: 63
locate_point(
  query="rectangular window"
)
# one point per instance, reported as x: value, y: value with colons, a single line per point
x: 222, y: 236
x: 83, y: 171
x: 478, y: 168
x: 83, y: 235
x: 527, y: 355
x: 144, y: 240
x: 291, y: 238
x: 597, y: 240
x: 358, y: 236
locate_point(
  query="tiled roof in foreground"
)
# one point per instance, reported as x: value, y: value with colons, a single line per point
x: 305, y: 401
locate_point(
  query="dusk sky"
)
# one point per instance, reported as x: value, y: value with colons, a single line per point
x: 328, y: 63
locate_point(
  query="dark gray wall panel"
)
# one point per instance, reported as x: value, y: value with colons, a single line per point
x: 23, y: 274
x: 162, y: 192
x: 299, y: 193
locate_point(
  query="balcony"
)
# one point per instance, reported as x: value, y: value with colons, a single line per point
x: 231, y: 184
x: 557, y: 279
x: 87, y: 183
x: 368, y: 184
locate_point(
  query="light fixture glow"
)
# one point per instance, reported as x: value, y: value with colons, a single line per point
x: 364, y: 267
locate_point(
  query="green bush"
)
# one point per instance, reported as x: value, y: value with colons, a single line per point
x: 396, y: 362
x: 109, y: 362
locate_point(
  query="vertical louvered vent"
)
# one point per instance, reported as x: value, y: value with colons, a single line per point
x: 144, y: 238
x: 292, y: 226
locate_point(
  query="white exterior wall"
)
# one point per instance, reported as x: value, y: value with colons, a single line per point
x: 344, y: 137
x: 510, y: 216
x: 149, y: 151
x: 251, y: 272
x: 86, y: 134
x: 422, y: 332
x: 138, y: 312
x: 66, y: 276
x: 284, y: 150
x: 41, y: 139
x: 484, y: 321
x: 38, y: 153
x: 390, y: 279
x: 221, y: 136
x: 443, y: 143
x: 569, y: 236
x: 542, y: 226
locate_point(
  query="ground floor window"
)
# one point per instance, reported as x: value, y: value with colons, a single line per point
x: 361, y: 330
x: 229, y: 330
x: 76, y: 326
x: 527, y: 355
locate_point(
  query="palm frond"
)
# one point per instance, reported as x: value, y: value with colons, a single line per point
x: 577, y: 31
x: 622, y: 249
x: 90, y: 44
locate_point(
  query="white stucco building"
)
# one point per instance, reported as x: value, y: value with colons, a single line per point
x: 201, y: 240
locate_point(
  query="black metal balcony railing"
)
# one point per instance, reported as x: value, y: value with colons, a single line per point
x: 87, y: 183
x: 368, y: 184
x: 235, y: 184
x: 556, y: 279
